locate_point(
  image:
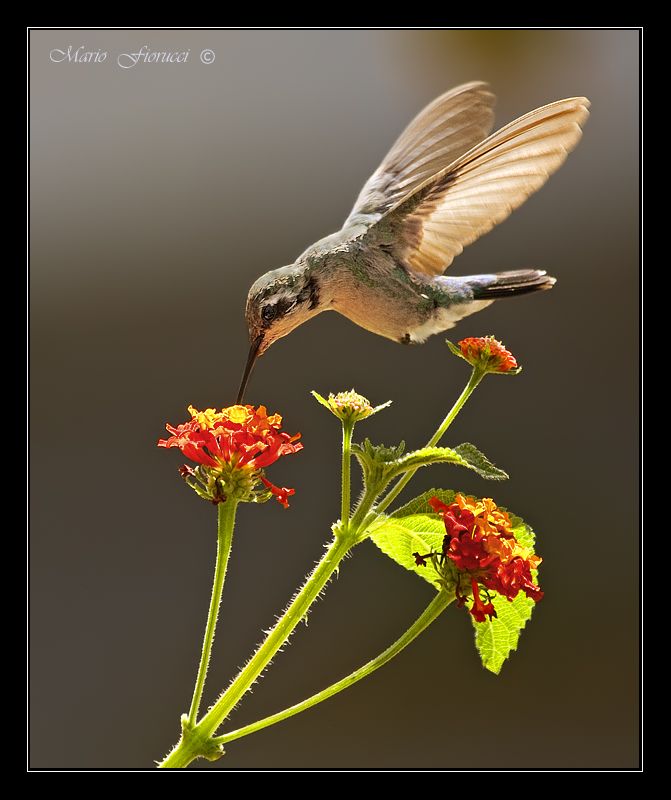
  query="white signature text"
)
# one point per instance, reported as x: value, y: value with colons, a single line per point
x: 145, y: 55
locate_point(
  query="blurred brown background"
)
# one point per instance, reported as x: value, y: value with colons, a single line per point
x: 158, y: 194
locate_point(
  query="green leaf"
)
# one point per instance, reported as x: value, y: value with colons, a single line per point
x: 456, y: 350
x: 420, y: 504
x: 414, y: 533
x: 321, y: 400
x: 495, y: 639
x: 523, y: 532
x: 375, y: 456
x: 382, y: 464
x: 416, y: 528
x: 444, y: 455
x: 479, y: 462
x: 376, y: 461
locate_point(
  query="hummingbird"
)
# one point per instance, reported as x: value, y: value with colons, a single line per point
x: 443, y: 184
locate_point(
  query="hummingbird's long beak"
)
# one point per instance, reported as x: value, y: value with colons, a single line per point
x: 251, y: 360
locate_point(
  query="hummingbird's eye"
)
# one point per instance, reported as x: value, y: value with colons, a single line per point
x: 268, y: 312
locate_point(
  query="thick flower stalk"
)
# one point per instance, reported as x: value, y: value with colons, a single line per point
x: 480, y: 553
x: 232, y: 447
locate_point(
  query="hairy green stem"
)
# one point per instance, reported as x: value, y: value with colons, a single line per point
x: 197, y: 741
x: 225, y: 524
x: 182, y: 754
x: 360, y: 518
x: 277, y: 636
x: 430, y: 613
x: 476, y: 376
x: 347, y: 430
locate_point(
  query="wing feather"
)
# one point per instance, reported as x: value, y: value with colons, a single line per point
x: 455, y: 206
x: 439, y: 134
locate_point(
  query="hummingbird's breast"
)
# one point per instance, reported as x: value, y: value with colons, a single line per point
x: 369, y: 287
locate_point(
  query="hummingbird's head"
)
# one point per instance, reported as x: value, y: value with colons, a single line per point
x: 278, y: 302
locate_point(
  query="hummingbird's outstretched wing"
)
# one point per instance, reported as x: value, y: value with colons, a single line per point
x: 451, y: 209
x: 439, y: 134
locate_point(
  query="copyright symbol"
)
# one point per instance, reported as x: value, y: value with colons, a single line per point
x: 207, y: 56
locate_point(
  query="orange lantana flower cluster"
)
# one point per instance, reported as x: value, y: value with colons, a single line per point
x: 487, y: 353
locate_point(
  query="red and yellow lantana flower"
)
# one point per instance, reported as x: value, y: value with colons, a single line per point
x: 232, y: 447
x: 481, y: 544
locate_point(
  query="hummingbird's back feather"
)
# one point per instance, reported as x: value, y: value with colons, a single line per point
x: 436, y: 137
x: 451, y: 209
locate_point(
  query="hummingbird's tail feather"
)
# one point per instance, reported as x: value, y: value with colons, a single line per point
x: 508, y: 284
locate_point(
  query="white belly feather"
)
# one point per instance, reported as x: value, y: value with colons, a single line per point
x: 445, y: 318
